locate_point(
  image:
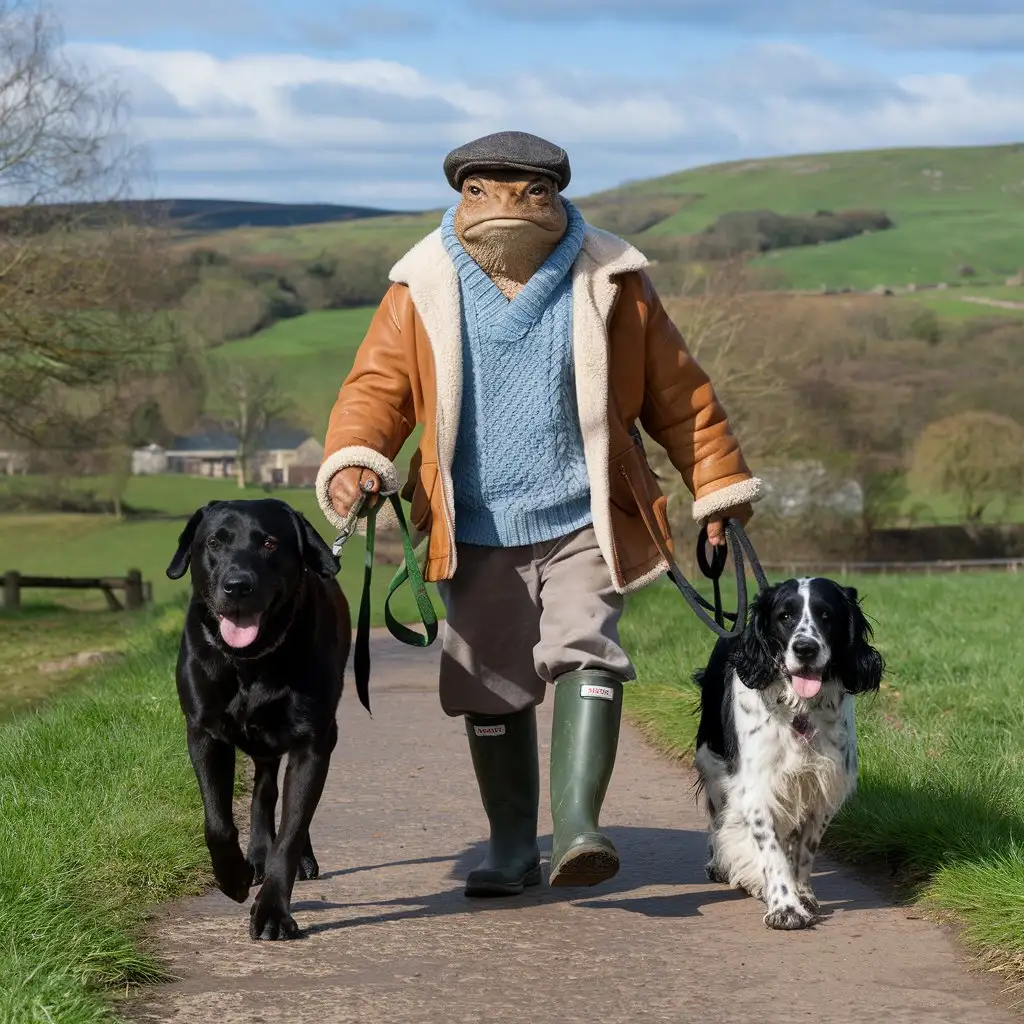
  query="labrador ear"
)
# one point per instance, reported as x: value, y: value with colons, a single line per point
x: 183, y: 556
x: 316, y: 553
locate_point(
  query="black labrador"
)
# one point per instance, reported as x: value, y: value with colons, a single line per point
x: 263, y: 651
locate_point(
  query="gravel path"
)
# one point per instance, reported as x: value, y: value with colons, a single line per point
x: 390, y: 937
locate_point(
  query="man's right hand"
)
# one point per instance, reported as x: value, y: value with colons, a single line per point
x: 347, y: 485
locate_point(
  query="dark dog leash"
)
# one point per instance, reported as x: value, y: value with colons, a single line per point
x: 409, y: 571
x: 713, y: 569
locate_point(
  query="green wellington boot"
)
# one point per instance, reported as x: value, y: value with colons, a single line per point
x: 504, y: 753
x: 584, y: 737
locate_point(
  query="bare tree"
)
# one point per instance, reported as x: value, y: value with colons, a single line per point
x: 80, y: 282
x: 246, y: 400
x: 62, y: 135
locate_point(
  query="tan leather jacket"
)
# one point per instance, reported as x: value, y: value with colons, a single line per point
x: 631, y: 366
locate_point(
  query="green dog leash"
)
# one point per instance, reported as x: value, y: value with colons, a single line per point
x: 408, y: 571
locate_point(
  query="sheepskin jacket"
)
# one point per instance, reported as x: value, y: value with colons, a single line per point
x: 631, y: 367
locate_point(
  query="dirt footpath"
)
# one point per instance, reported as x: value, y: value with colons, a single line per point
x: 390, y: 938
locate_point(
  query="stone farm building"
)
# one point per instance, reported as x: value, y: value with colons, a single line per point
x: 282, y: 456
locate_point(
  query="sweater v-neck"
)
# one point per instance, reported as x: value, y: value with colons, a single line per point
x: 511, y: 320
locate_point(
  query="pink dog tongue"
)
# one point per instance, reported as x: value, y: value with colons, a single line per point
x: 239, y: 632
x: 806, y: 686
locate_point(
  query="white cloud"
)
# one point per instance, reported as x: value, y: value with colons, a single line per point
x: 378, y: 130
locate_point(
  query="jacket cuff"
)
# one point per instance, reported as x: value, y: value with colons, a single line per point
x: 726, y: 497
x: 345, y: 458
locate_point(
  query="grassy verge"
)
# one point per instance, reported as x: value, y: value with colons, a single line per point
x: 99, y: 820
x: 100, y: 816
x: 941, y: 797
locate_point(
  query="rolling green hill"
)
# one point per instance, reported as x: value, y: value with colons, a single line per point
x: 951, y: 207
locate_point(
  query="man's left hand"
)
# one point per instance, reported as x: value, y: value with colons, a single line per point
x: 716, y: 523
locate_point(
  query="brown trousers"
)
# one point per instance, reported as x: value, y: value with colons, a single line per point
x: 518, y: 618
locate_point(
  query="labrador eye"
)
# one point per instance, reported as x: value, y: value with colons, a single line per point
x: 212, y: 543
x: 539, y: 190
x: 270, y: 544
x: 475, y: 190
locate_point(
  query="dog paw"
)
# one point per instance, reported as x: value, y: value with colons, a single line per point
x: 808, y: 900
x: 715, y: 874
x: 308, y: 868
x: 788, y: 918
x: 234, y: 874
x: 269, y: 921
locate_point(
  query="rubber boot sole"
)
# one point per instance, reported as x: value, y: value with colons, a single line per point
x: 585, y: 865
x: 483, y: 889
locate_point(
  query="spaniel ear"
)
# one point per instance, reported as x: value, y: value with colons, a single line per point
x: 755, y: 657
x: 862, y: 668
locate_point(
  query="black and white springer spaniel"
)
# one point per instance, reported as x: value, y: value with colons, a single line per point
x: 776, y: 746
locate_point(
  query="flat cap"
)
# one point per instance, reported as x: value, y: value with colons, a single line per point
x: 507, y: 151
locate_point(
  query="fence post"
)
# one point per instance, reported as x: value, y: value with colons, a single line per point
x: 12, y: 589
x: 133, y: 593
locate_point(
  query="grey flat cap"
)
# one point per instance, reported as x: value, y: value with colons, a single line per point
x: 507, y: 151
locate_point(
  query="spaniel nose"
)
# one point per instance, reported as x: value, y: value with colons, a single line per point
x: 238, y: 584
x: 806, y: 648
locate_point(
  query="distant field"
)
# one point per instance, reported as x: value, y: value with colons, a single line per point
x: 311, y: 355
x: 955, y: 304
x: 86, y: 545
x: 951, y: 206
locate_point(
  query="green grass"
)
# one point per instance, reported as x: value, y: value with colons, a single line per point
x: 100, y: 820
x: 37, y: 641
x: 953, y: 306
x: 86, y: 545
x: 941, y: 797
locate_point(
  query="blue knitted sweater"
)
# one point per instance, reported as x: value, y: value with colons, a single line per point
x: 519, y: 472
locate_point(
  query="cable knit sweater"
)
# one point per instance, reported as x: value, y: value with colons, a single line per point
x: 519, y: 473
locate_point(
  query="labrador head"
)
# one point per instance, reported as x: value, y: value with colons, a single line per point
x: 248, y: 559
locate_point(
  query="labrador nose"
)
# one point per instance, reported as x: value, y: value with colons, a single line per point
x: 238, y: 584
x: 805, y: 648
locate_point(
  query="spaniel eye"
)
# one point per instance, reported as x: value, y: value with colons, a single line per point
x: 270, y: 544
x: 213, y: 543
x: 785, y: 616
x: 823, y: 615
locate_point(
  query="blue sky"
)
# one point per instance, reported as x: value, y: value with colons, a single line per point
x: 358, y: 102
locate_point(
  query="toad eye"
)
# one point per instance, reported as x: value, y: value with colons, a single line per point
x: 269, y: 544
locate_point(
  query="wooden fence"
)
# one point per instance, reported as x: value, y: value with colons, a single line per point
x: 136, y: 592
